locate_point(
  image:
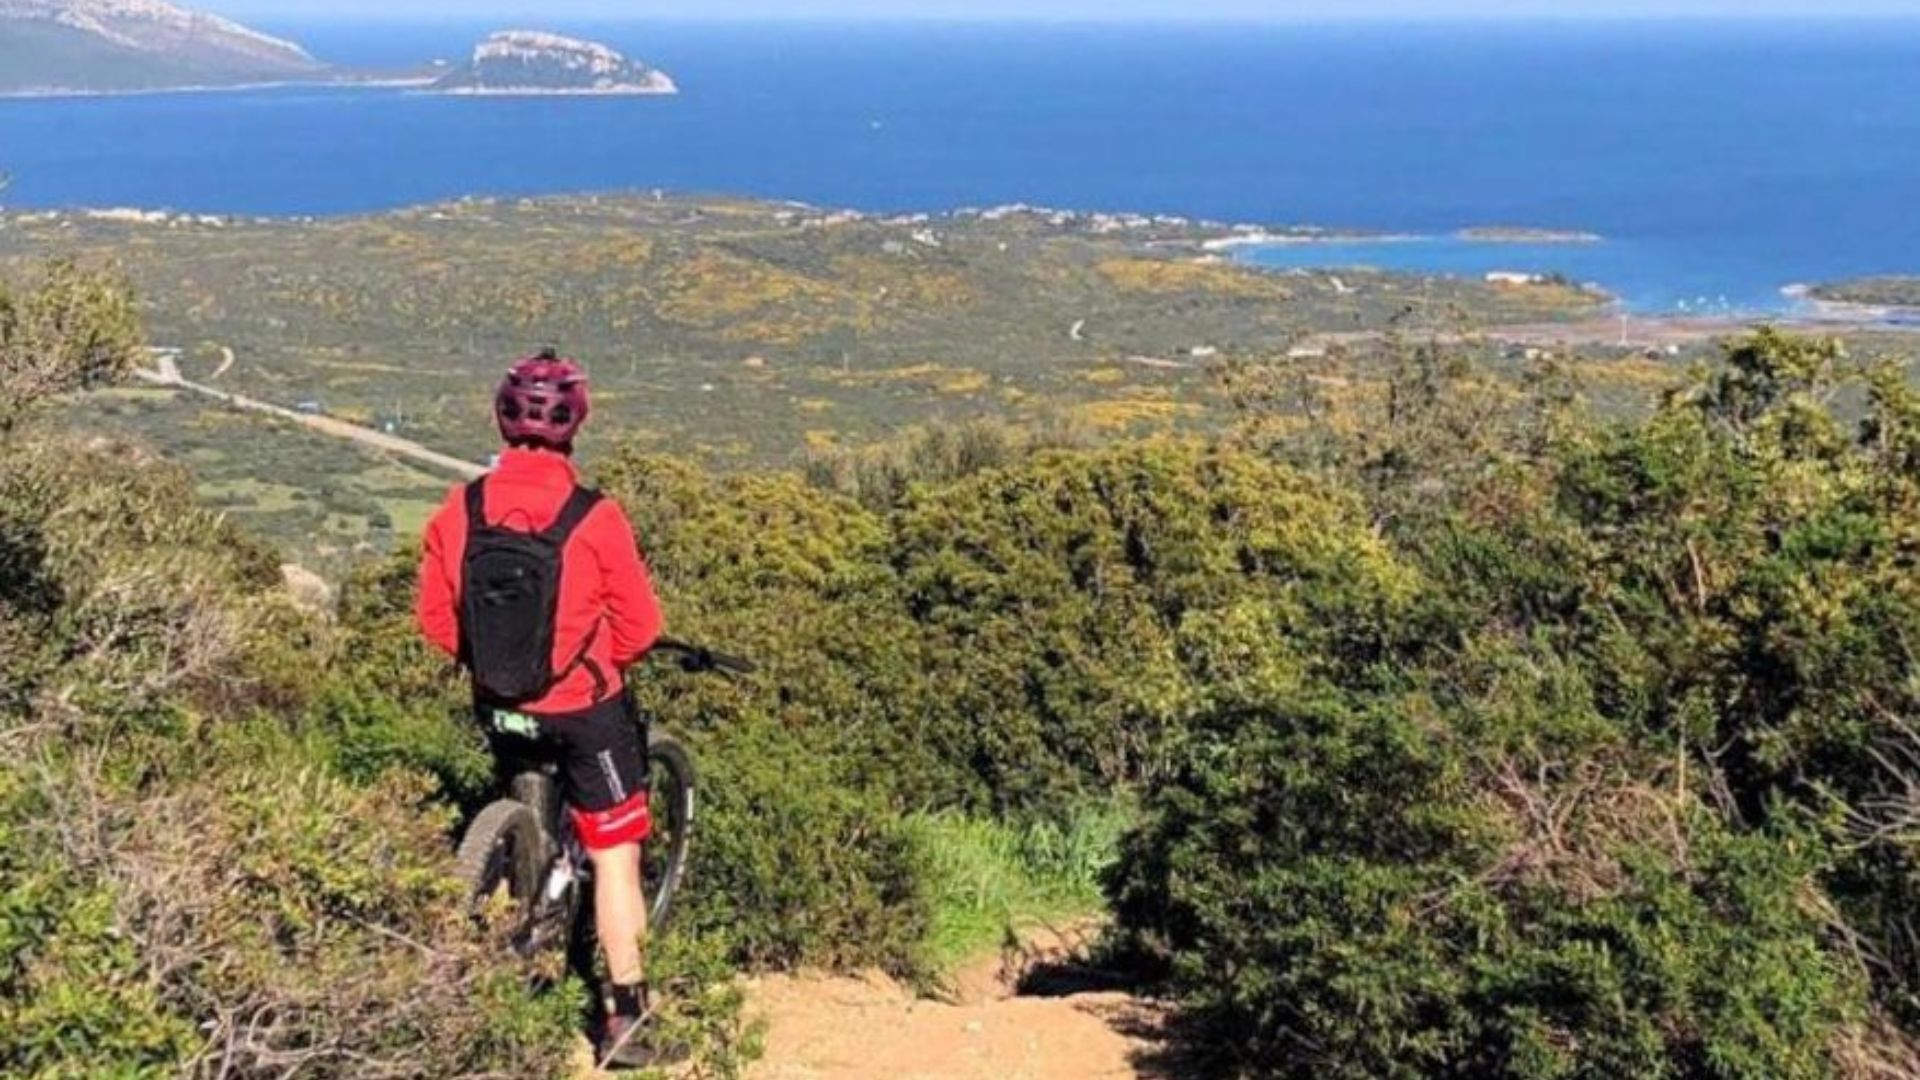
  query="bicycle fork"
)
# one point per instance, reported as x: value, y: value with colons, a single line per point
x: 568, y: 869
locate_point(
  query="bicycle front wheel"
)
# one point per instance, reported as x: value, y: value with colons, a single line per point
x: 502, y: 859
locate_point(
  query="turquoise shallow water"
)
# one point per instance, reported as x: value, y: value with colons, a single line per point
x: 1721, y: 161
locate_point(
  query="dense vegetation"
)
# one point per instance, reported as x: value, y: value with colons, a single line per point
x: 1628, y: 789
x: 183, y: 889
x: 1489, y: 739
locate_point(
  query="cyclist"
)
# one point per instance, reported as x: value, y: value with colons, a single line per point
x: 536, y: 585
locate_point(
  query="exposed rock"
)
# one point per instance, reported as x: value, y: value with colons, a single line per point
x: 308, y: 589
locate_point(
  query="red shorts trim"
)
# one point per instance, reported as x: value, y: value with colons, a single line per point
x: 631, y: 822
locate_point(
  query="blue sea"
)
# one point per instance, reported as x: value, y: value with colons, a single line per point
x: 1721, y: 161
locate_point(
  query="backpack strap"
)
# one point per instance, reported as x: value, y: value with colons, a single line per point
x: 476, y: 506
x: 476, y: 500
x: 578, y: 506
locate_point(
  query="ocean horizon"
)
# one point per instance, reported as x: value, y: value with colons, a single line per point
x: 1721, y: 162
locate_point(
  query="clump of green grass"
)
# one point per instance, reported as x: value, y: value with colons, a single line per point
x: 988, y: 878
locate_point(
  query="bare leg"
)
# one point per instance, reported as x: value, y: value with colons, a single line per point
x: 620, y: 912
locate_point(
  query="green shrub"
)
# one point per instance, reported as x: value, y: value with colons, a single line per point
x: 70, y: 328
x: 185, y: 888
x: 1739, y: 579
x: 1605, y: 812
x: 1011, y: 638
x: 1338, y: 890
x: 883, y: 476
x: 1059, y: 602
x: 798, y: 861
x: 124, y: 597
x: 391, y: 700
x: 299, y: 882
x: 701, y: 1005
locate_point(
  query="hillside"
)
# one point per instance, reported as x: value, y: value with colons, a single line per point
x: 118, y: 45
x: 742, y: 333
x: 1456, y: 732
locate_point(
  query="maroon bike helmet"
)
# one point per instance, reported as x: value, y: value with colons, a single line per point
x: 542, y: 401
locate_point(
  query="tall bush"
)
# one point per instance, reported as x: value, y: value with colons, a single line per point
x: 1637, y: 799
x: 185, y: 888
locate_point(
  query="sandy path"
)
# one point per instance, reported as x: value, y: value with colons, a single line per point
x: 841, y: 1028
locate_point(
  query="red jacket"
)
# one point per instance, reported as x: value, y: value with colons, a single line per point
x: 602, y: 580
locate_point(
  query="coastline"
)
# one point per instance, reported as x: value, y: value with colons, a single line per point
x: 1213, y: 239
x: 1242, y: 238
x: 406, y: 82
x: 1801, y: 306
x: 409, y: 83
x: 1476, y: 234
x: 668, y: 90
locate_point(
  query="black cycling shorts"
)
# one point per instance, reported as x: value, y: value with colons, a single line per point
x: 602, y: 752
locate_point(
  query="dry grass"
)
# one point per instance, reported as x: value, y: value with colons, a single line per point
x: 1892, y: 817
x: 1889, y: 820
x: 1876, y: 1050
x: 1569, y: 824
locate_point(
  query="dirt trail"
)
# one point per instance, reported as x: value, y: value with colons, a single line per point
x: 843, y: 1028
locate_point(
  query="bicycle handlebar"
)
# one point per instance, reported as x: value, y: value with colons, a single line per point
x: 698, y: 659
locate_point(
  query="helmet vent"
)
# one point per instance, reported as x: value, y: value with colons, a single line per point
x: 542, y: 401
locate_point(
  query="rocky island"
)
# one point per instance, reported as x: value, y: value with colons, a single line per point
x: 114, y: 46
x: 514, y: 62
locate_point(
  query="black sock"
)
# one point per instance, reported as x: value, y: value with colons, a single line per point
x: 630, y: 1000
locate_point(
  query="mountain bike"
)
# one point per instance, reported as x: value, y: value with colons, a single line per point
x: 523, y: 865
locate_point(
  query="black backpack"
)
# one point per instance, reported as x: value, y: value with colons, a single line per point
x: 509, y: 599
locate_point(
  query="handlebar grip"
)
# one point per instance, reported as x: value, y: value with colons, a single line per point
x: 698, y: 659
x: 733, y: 664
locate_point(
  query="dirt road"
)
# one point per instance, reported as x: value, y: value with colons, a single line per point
x: 166, y: 372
